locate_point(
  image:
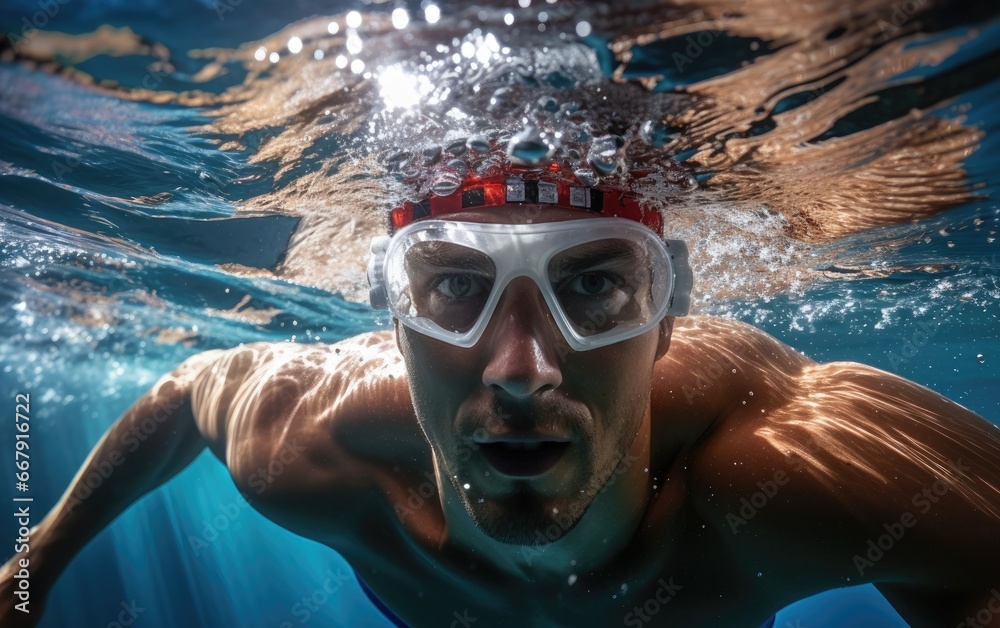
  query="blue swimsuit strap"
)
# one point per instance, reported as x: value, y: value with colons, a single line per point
x: 379, y: 604
x: 399, y: 623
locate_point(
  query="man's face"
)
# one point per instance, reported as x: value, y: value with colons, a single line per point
x: 526, y: 429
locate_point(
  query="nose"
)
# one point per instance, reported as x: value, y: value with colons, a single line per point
x: 522, y: 341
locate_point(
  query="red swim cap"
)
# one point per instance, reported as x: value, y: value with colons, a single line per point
x: 552, y: 187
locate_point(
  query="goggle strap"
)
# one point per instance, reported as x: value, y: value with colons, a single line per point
x: 378, y: 296
x: 679, y: 303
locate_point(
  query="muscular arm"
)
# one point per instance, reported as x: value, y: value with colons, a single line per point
x: 308, y: 431
x: 300, y: 428
x: 152, y: 441
x: 841, y: 455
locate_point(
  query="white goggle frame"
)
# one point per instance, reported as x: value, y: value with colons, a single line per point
x: 525, y: 250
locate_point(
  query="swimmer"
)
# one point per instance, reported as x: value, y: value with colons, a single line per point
x: 546, y: 439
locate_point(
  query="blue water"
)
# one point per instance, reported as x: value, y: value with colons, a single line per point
x: 101, y: 295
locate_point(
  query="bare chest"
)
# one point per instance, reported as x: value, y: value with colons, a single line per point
x: 685, y: 579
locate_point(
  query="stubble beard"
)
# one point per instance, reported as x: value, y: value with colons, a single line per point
x: 524, y: 517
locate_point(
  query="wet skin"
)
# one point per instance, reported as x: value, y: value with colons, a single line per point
x: 715, y: 472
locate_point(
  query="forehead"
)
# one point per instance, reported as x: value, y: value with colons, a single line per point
x: 520, y: 214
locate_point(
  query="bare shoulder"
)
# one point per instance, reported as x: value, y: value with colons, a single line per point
x: 321, y: 407
x: 715, y: 365
x: 845, y: 455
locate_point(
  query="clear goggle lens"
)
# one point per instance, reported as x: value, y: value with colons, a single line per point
x: 603, y: 279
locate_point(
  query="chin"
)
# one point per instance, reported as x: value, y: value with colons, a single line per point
x: 523, y: 517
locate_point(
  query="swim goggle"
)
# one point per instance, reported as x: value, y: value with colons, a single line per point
x: 604, y: 279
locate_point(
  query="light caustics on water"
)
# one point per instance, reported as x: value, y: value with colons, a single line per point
x: 759, y: 165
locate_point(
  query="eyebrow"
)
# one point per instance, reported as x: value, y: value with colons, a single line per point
x: 438, y: 256
x: 603, y: 252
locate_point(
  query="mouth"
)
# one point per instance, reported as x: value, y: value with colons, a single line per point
x: 523, y: 456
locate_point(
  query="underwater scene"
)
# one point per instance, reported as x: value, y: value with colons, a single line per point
x: 180, y: 177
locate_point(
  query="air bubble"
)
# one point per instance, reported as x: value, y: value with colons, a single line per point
x: 502, y: 101
x: 478, y: 144
x: 604, y: 156
x: 446, y: 181
x: 432, y: 153
x: 548, y: 103
x: 528, y: 147
x: 586, y: 176
x: 459, y: 166
x: 398, y: 161
x: 655, y: 133
x: 458, y: 147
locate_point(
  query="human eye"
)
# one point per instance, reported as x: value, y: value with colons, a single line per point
x: 591, y: 284
x: 460, y: 285
x: 592, y: 295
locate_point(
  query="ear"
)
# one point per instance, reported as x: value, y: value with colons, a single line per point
x: 666, y: 332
